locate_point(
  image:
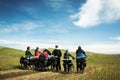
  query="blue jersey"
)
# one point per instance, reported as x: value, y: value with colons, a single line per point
x: 81, y: 55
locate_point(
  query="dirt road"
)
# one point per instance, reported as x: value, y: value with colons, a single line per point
x: 18, y: 74
x: 27, y: 75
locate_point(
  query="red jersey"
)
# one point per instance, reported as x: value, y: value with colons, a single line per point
x: 45, y: 53
x: 37, y: 53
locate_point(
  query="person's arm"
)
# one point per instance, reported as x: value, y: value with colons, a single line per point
x: 49, y: 52
x: 30, y: 53
x: 72, y: 56
x: 26, y: 53
x: 84, y: 53
x: 53, y: 53
x: 76, y: 52
x: 60, y: 53
x: 64, y: 55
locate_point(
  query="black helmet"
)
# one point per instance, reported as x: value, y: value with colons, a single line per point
x: 37, y: 47
x: 28, y: 47
x: 79, y: 47
x: 56, y: 46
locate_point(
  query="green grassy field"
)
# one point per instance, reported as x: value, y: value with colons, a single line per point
x: 9, y: 58
x: 99, y: 66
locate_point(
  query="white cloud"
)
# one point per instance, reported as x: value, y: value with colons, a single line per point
x: 115, y: 38
x: 104, y: 48
x: 34, y: 26
x: 33, y: 44
x: 108, y: 48
x: 56, y: 4
x: 60, y: 4
x: 7, y: 42
x: 94, y: 12
x: 59, y: 28
x: 24, y: 26
x: 23, y: 44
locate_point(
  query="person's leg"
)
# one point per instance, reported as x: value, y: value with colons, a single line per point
x: 56, y: 67
x: 85, y: 63
x: 68, y: 67
x: 64, y: 65
x: 59, y: 64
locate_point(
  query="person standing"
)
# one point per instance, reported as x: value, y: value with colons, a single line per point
x: 37, y: 52
x: 80, y: 51
x: 46, y: 52
x: 67, y: 61
x: 56, y: 52
x: 28, y: 54
x: 80, y: 58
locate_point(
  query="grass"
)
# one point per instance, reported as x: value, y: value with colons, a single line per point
x: 9, y: 58
x: 104, y: 72
x: 99, y: 66
x: 94, y: 58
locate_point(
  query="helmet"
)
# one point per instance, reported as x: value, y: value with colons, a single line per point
x: 56, y: 46
x: 28, y: 47
x: 79, y: 47
x: 37, y: 47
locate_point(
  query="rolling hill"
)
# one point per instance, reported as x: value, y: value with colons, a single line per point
x: 99, y: 66
x: 9, y: 58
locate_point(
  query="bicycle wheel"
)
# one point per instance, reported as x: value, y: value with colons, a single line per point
x: 72, y: 68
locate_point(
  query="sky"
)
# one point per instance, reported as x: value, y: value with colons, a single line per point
x: 92, y: 24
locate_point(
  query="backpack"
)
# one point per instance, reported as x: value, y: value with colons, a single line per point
x: 80, y: 55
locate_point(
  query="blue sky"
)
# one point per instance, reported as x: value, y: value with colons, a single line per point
x: 92, y: 24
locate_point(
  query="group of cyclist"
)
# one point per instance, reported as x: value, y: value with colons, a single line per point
x: 80, y: 56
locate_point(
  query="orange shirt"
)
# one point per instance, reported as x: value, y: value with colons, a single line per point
x: 37, y: 53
